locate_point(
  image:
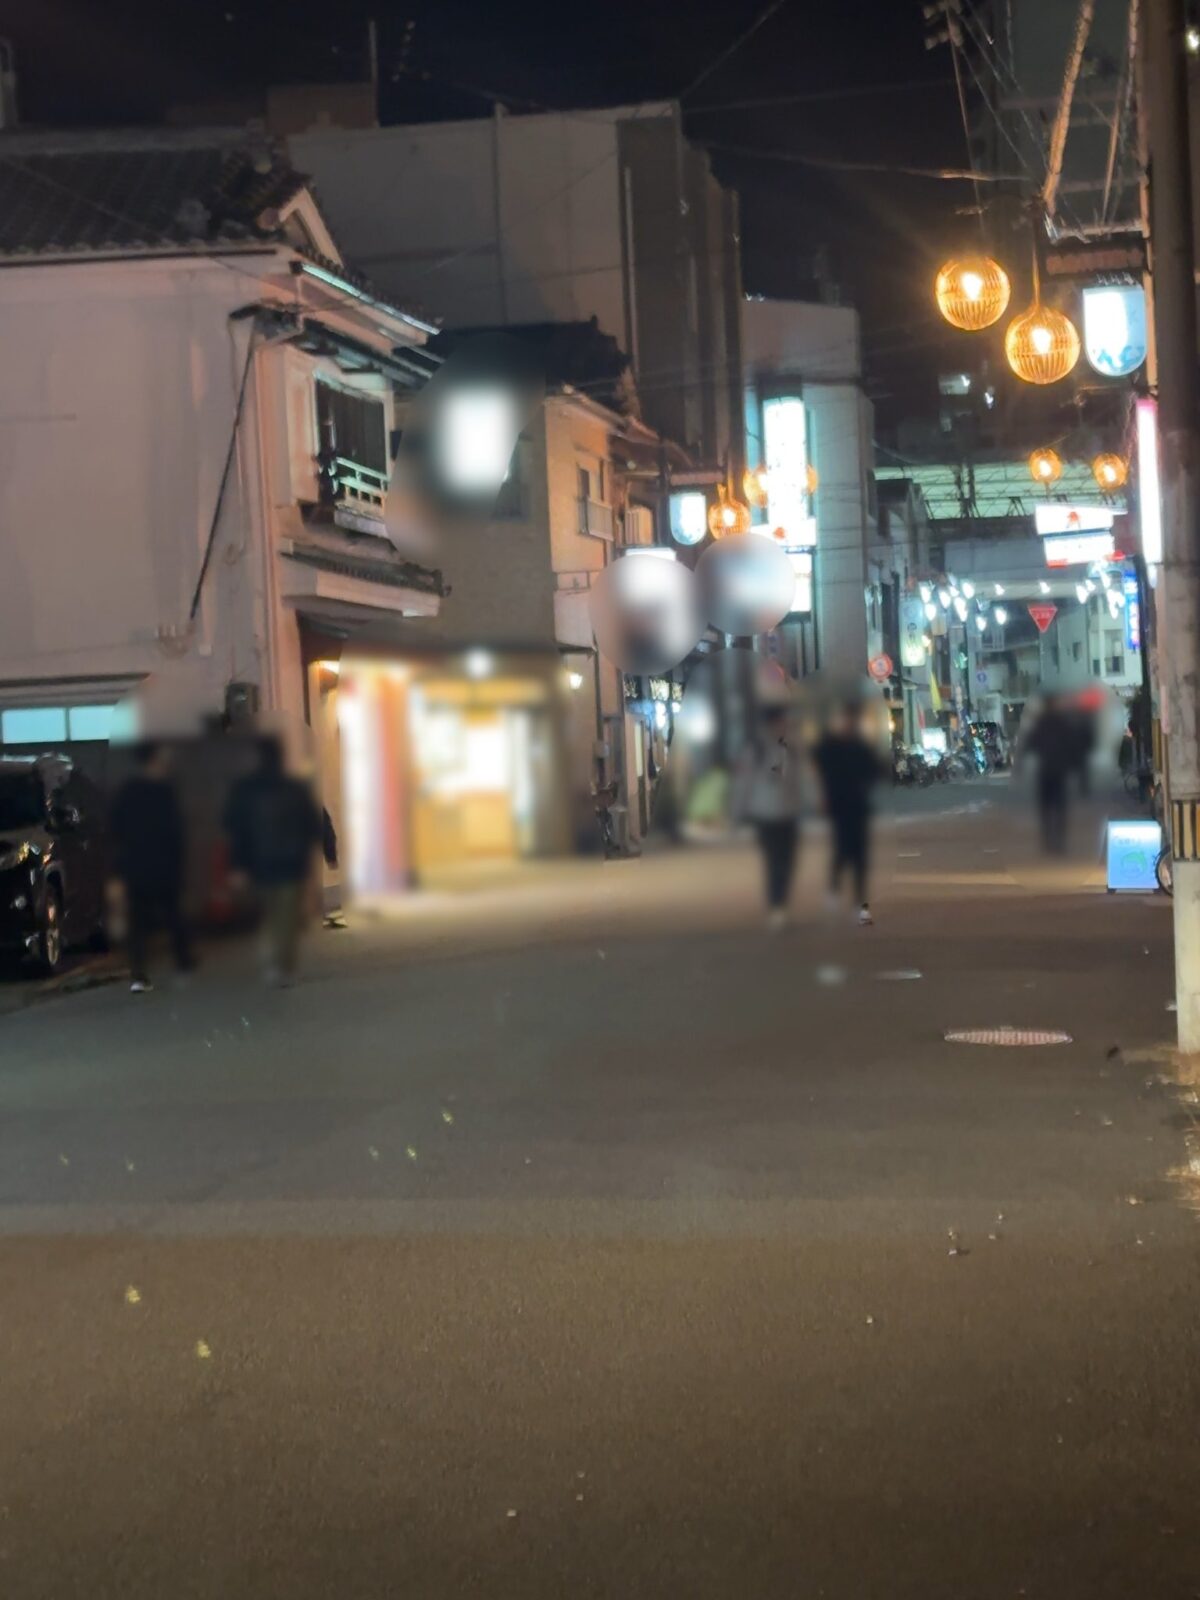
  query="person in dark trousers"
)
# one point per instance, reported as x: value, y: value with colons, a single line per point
x: 275, y: 827
x: 149, y: 853
x: 767, y: 793
x: 1053, y: 742
x: 849, y: 770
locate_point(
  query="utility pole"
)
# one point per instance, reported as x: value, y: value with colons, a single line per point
x: 1173, y: 270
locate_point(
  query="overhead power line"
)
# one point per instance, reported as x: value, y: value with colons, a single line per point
x: 856, y: 92
x: 945, y: 174
x: 764, y: 15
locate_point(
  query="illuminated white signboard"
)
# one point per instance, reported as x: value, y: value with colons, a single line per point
x: 1114, y: 328
x: 802, y: 598
x: 785, y: 448
x: 1073, y: 549
x: 1055, y: 518
x: 689, y: 517
x: 1149, y: 495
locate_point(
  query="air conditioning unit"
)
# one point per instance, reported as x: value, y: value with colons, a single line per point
x: 639, y: 525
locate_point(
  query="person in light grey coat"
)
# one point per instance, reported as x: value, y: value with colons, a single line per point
x: 768, y: 793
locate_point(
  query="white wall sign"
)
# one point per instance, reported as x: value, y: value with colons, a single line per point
x: 913, y: 628
x: 802, y: 598
x: 1055, y: 518
x: 1075, y: 549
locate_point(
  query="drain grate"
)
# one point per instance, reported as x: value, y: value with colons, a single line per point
x: 1009, y: 1036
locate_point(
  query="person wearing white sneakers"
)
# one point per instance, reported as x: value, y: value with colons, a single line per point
x: 767, y: 793
x: 849, y: 770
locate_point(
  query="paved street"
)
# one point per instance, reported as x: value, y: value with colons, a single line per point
x: 579, y: 1237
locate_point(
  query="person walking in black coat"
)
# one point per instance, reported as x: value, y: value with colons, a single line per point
x: 1054, y: 743
x: 274, y: 827
x: 149, y: 854
x: 849, y: 770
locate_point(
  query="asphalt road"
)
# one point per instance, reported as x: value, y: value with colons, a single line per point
x: 585, y: 1239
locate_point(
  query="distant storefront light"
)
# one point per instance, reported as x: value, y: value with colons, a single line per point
x: 1133, y: 611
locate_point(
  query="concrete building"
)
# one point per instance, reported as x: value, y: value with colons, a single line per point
x: 583, y: 488
x: 558, y: 217
x: 805, y: 408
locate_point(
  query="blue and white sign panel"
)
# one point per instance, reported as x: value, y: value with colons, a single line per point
x: 1133, y: 849
x: 1114, y: 328
x: 1133, y: 611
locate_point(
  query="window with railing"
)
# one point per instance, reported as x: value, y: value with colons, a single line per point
x: 353, y: 458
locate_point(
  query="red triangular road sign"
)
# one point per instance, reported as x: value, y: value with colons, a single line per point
x: 1043, y: 614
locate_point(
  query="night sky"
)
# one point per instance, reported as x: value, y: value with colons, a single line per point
x: 859, y: 84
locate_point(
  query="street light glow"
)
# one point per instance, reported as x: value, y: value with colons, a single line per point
x: 1001, y: 615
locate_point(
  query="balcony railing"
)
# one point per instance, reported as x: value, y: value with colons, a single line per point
x: 350, y: 481
x: 596, y: 519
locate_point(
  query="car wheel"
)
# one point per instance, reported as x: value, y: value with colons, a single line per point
x: 50, y: 938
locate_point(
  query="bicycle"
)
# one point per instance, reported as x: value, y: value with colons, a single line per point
x: 1164, y: 864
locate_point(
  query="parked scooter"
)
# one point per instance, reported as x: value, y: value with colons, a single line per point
x: 910, y: 767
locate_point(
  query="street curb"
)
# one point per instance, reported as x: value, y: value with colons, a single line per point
x: 69, y: 983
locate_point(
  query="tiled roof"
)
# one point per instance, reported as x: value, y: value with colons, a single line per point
x: 103, y: 193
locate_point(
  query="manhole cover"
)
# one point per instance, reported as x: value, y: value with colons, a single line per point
x: 1007, y: 1036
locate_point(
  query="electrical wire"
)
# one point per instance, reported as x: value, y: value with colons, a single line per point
x: 866, y: 90
x: 944, y: 174
x: 952, y: 35
x: 763, y: 16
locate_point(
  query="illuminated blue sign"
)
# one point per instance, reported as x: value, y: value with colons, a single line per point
x: 1133, y: 611
x: 1133, y: 849
x: 1114, y: 328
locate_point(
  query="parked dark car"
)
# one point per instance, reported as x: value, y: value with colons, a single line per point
x: 53, y: 860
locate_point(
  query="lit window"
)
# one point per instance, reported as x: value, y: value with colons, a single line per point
x: 34, y: 725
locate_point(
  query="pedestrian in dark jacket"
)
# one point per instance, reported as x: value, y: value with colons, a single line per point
x: 849, y: 770
x: 149, y: 852
x: 1054, y: 743
x: 274, y: 828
